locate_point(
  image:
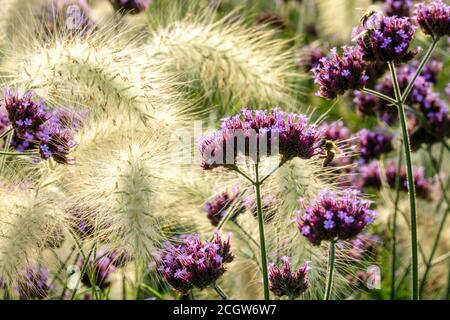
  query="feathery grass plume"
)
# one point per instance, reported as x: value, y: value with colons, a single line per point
x: 27, y: 225
x: 119, y: 183
x: 102, y: 71
x: 222, y: 59
x: 338, y: 17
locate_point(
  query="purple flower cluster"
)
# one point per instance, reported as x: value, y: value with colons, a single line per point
x: 4, y: 121
x: 74, y: 16
x: 431, y: 70
x: 372, y: 144
x: 332, y: 217
x: 336, y: 74
x: 283, y: 281
x: 434, y: 19
x: 424, y: 186
x: 335, y: 131
x: 370, y: 177
x: 131, y: 6
x: 221, y: 204
x: 385, y: 39
x: 365, y: 104
x: 399, y: 8
x: 36, y: 128
x: 364, y: 245
x: 309, y: 57
x: 193, y: 263
x: 34, y: 283
x: 258, y: 133
x: 98, y: 270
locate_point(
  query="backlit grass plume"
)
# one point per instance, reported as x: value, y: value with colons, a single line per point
x: 27, y: 225
x: 101, y: 71
x: 233, y: 62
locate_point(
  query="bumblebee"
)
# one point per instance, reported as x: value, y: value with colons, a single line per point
x: 368, y: 16
x: 331, y: 149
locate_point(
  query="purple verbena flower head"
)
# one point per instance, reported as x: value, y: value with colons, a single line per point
x: 337, y: 74
x: 73, y: 16
x: 100, y: 267
x: 434, y: 19
x: 330, y: 216
x: 399, y: 8
x: 283, y: 281
x: 37, y: 128
x: 431, y: 70
x: 364, y: 246
x: 4, y: 121
x: 386, y: 39
x: 365, y: 104
x: 131, y: 6
x: 259, y: 133
x: 434, y: 123
x: 335, y: 131
x: 372, y: 144
x: 309, y: 57
x: 369, y: 175
x: 223, y: 204
x: 424, y: 186
x: 193, y: 263
x: 33, y: 283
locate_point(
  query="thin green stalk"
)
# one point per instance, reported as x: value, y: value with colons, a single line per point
x: 273, y: 171
x: 422, y: 64
x: 440, y: 229
x: 447, y: 293
x: 262, y: 241
x: 220, y: 292
x: 394, y: 224
x: 411, y: 185
x: 83, y: 271
x: 245, y: 233
x: 379, y: 95
x: 124, y: 286
x: 152, y: 291
x: 331, y: 257
x: 17, y: 154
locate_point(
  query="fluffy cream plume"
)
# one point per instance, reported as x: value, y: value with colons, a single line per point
x: 233, y: 62
x: 29, y: 222
x: 121, y: 177
x: 337, y: 18
x: 101, y: 71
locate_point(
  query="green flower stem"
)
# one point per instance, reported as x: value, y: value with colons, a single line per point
x: 331, y: 258
x: 18, y: 154
x: 422, y: 64
x: 441, y: 226
x: 220, y: 292
x: 394, y: 224
x: 411, y: 185
x: 83, y: 271
x: 262, y: 241
x: 379, y: 95
x: 273, y: 171
x: 245, y: 233
x: 447, y: 292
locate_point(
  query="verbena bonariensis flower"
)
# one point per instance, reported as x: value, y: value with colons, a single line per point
x: 222, y: 204
x: 424, y: 186
x: 331, y: 216
x: 399, y: 8
x: 372, y: 144
x: 385, y: 39
x: 434, y: 19
x: 259, y: 133
x: 309, y: 57
x: 284, y: 282
x: 131, y: 6
x: 34, y: 283
x: 337, y: 74
x: 193, y: 263
x: 35, y: 128
x: 431, y: 70
x: 364, y: 246
x: 370, y: 177
x: 4, y: 121
x: 365, y: 104
x: 98, y: 270
x: 73, y: 16
x: 335, y: 131
x: 434, y: 123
